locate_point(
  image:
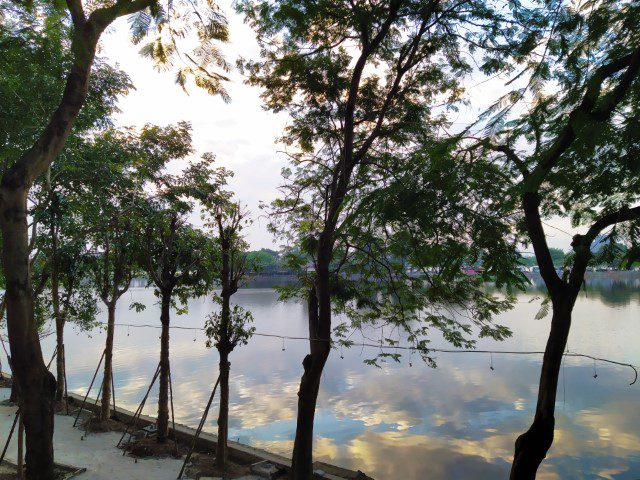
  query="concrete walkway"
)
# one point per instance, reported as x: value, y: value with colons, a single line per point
x: 97, y: 452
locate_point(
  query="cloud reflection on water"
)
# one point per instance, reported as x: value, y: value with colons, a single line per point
x: 457, y: 421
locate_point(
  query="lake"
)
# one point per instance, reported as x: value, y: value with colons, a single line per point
x: 457, y: 421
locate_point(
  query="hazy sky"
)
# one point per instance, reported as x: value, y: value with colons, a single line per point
x: 241, y: 134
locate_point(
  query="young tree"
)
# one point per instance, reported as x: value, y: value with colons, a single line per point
x: 74, y: 302
x: 138, y: 162
x: 174, y: 256
x: 64, y: 247
x: 62, y: 238
x: 359, y: 80
x: 174, y: 261
x: 87, y: 23
x: 228, y: 265
x: 113, y: 267
x: 230, y: 327
x: 117, y: 162
x: 572, y: 154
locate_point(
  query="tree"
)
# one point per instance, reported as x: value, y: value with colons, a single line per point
x: 228, y: 328
x: 33, y: 67
x: 68, y: 258
x: 174, y: 263
x: 228, y: 266
x: 59, y: 232
x: 76, y: 304
x: 86, y: 25
x: 266, y: 260
x: 174, y: 256
x: 119, y: 166
x: 113, y: 267
x: 359, y: 80
x: 573, y: 153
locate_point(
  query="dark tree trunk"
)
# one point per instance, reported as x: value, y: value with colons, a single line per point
x: 105, y: 407
x: 55, y: 300
x: 224, y: 348
x: 320, y: 299
x: 60, y: 360
x: 13, y: 397
x: 533, y: 445
x: 163, y: 394
x: 20, y: 461
x: 302, y: 461
x: 37, y: 385
x: 223, y: 414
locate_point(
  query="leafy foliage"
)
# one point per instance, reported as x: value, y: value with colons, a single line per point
x: 173, y: 252
x: 35, y: 57
x: 574, y: 146
x: 265, y: 261
x: 234, y: 331
x: 174, y: 23
x: 373, y: 199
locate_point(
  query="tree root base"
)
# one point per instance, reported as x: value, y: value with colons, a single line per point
x: 149, y: 447
x: 94, y: 425
x: 9, y: 471
x: 203, y: 465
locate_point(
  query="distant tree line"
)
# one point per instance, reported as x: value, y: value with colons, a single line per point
x: 613, y: 255
x: 268, y: 262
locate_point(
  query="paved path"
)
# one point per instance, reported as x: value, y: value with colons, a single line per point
x: 97, y: 452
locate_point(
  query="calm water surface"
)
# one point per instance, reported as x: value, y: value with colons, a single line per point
x: 458, y: 421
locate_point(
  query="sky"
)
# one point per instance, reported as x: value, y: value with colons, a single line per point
x: 241, y: 134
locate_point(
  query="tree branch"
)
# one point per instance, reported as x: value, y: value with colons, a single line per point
x: 510, y: 154
x: 622, y: 215
x: 581, y: 244
x: 586, y: 111
x: 85, y: 40
x: 77, y: 12
x: 530, y: 205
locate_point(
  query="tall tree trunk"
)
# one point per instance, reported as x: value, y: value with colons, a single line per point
x: 36, y: 384
x: 60, y: 360
x: 533, y: 445
x: 224, y: 347
x: 223, y: 414
x: 163, y: 394
x: 13, y: 397
x: 105, y: 407
x: 302, y: 462
x: 55, y: 300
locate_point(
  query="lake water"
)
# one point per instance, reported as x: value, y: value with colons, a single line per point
x: 458, y: 421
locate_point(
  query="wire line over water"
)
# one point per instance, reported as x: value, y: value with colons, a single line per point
x: 398, y: 347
